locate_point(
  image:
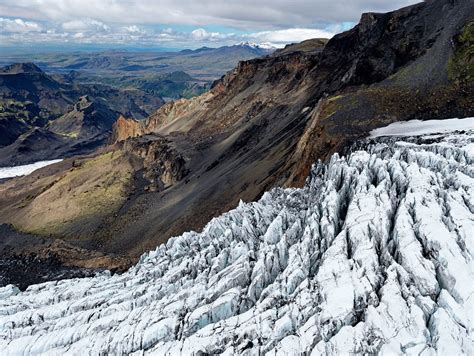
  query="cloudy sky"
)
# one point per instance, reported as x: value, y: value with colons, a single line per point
x: 178, y: 23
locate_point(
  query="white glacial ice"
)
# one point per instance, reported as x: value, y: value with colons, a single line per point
x: 417, y: 127
x: 373, y: 255
x: 10, y: 172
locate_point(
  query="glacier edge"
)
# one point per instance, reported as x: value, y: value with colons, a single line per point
x: 373, y: 255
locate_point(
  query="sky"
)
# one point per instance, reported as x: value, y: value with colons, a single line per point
x: 178, y: 23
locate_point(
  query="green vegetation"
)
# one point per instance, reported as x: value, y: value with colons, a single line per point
x: 19, y: 109
x: 337, y: 103
x: 461, y: 64
x: 312, y: 45
x: 93, y: 190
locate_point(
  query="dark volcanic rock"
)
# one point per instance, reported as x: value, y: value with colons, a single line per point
x: 314, y: 45
x: 163, y: 164
x: 26, y: 259
x: 23, y: 271
x: 20, y: 68
x: 33, y: 146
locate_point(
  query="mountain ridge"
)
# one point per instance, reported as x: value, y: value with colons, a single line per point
x: 30, y: 99
x: 16, y: 68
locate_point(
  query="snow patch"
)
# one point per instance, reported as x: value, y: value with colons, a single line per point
x: 417, y: 127
x: 263, y: 45
x: 17, y: 171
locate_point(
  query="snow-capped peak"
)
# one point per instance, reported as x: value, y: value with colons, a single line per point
x: 264, y: 45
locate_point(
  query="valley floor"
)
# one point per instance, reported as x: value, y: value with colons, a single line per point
x: 373, y: 255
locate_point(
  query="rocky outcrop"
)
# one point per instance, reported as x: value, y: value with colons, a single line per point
x: 169, y: 112
x: 163, y: 165
x: 17, y: 68
x: 124, y: 128
x: 308, y: 46
x: 88, y: 120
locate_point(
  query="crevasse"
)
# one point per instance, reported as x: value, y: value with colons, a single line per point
x: 373, y: 255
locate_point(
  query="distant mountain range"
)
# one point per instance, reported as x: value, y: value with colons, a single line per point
x: 242, y: 47
x: 42, y: 118
x: 71, y: 109
x: 173, y: 75
x: 204, y: 65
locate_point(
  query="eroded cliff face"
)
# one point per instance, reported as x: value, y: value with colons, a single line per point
x: 266, y: 122
x: 252, y: 89
x: 162, y: 164
x: 390, y: 67
x: 124, y: 128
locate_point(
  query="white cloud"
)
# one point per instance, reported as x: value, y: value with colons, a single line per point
x: 85, y: 25
x: 92, y: 31
x: 201, y: 34
x: 78, y: 35
x: 131, y: 21
x: 18, y: 25
x: 247, y: 14
x: 281, y: 37
x: 134, y: 29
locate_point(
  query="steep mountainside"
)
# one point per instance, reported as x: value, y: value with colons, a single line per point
x: 86, y: 119
x: 262, y: 125
x: 32, y: 101
x: 374, y: 255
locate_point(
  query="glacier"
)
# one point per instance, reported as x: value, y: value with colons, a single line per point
x: 373, y: 255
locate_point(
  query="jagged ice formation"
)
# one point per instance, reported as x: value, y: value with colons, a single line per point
x: 374, y: 254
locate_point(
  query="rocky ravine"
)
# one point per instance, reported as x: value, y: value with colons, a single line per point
x: 373, y: 255
x: 262, y: 125
x: 44, y: 118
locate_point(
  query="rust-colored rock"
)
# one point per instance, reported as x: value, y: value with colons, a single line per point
x: 124, y: 128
